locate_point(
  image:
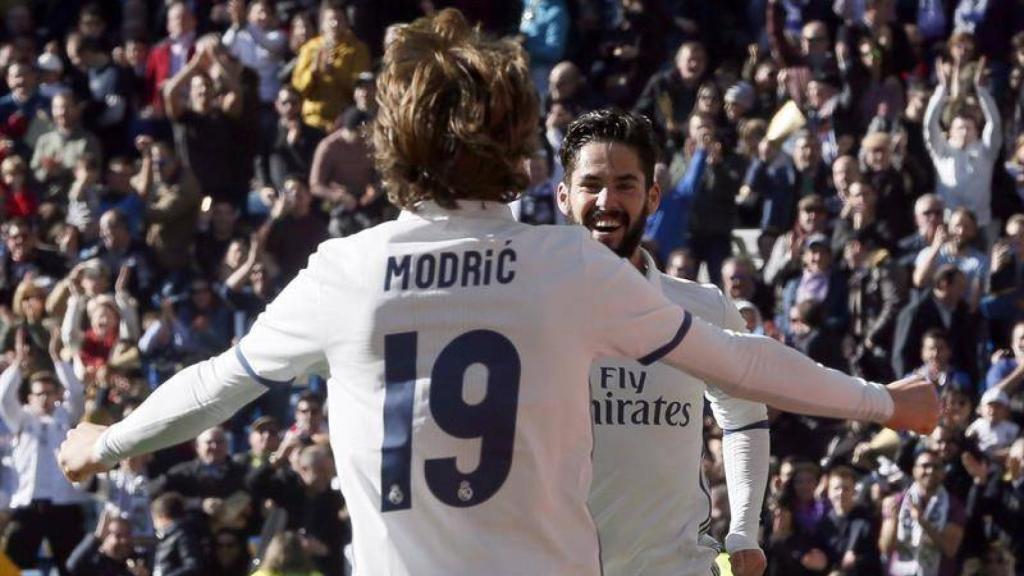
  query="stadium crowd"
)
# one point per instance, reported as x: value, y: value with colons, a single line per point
x: 850, y: 172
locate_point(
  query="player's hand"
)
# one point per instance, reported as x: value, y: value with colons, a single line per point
x: 915, y: 405
x: 76, y: 457
x: 748, y: 562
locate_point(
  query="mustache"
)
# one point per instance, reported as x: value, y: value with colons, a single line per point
x: 590, y: 219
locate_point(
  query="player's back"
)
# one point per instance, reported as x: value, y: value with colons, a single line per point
x: 459, y: 344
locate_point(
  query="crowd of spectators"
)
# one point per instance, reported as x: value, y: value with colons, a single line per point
x: 850, y: 172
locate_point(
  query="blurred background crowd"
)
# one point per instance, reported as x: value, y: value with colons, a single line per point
x: 850, y: 172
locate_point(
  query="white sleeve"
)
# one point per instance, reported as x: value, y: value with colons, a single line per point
x: 283, y: 343
x: 745, y: 451
x: 761, y: 369
x: 199, y: 397
x: 289, y: 336
x: 627, y: 317
x: 624, y: 316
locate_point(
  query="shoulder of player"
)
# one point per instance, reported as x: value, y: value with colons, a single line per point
x: 706, y: 301
x: 683, y: 292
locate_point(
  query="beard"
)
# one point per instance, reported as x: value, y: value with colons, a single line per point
x: 634, y: 232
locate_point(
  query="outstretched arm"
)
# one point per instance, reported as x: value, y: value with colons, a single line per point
x: 285, y: 341
x: 637, y: 321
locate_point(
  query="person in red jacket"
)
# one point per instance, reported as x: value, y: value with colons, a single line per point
x: 19, y: 200
x: 169, y: 56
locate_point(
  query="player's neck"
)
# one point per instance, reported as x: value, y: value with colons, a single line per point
x: 638, y: 261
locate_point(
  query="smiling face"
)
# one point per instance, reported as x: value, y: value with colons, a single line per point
x: 929, y: 472
x: 608, y: 194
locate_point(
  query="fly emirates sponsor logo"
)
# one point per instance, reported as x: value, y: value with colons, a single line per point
x: 619, y: 400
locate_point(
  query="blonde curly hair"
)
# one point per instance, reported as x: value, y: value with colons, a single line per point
x: 457, y: 116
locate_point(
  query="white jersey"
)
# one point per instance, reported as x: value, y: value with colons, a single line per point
x: 649, y: 497
x: 459, y: 345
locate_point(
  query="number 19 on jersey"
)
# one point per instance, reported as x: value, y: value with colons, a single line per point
x: 492, y: 420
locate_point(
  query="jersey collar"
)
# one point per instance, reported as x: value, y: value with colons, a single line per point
x: 429, y: 210
x: 653, y: 275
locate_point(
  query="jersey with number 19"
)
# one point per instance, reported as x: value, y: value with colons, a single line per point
x: 459, y: 344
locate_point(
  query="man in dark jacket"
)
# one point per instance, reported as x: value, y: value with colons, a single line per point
x: 207, y: 482
x: 669, y: 96
x: 943, y: 308
x: 306, y: 495
x: 877, y: 293
x: 178, y: 550
x: 106, y: 552
x: 852, y: 532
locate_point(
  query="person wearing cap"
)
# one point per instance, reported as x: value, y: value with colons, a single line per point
x: 327, y: 67
x: 993, y: 429
x: 50, y: 71
x: 740, y: 100
x: 364, y: 95
x: 264, y: 440
x: 819, y: 281
x: 784, y: 261
x: 343, y: 177
x: 738, y: 103
x: 44, y: 503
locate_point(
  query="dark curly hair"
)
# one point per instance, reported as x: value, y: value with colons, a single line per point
x: 611, y: 125
x: 457, y: 116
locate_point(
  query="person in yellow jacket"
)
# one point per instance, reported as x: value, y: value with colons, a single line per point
x: 328, y: 66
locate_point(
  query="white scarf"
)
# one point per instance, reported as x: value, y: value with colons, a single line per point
x: 916, y: 553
